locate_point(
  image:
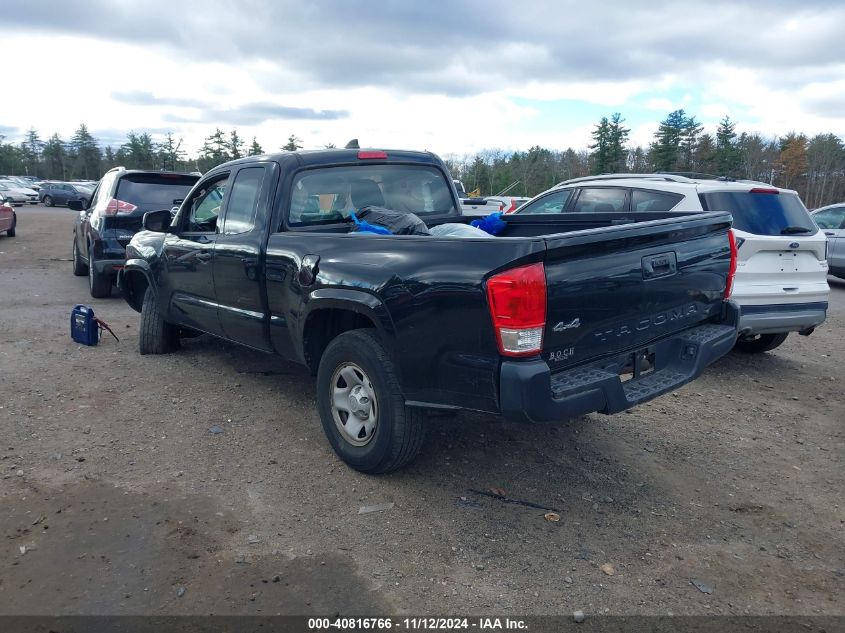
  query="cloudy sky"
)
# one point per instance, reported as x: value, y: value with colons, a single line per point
x: 451, y: 77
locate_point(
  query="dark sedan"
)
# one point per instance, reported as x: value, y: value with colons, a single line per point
x: 53, y: 193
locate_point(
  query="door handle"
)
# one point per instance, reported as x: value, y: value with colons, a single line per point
x: 202, y: 239
x: 831, y: 234
x: 203, y: 256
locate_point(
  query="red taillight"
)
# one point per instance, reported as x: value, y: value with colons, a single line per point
x: 729, y: 283
x: 763, y: 190
x: 364, y: 154
x: 517, y: 302
x: 115, y: 207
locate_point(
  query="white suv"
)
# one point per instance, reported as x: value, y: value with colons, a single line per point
x: 781, y: 278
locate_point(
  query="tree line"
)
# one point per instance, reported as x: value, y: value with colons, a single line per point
x: 812, y: 165
x: 83, y: 157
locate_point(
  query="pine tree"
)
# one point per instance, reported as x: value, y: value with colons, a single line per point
x: 31, y: 149
x: 689, y: 141
x: 85, y: 154
x: 55, y: 156
x: 704, y: 154
x: 109, y: 159
x: 138, y: 152
x: 727, y: 156
x: 170, y: 152
x: 236, y: 145
x: 617, y: 137
x: 600, y: 155
x: 215, y: 150
x: 255, y: 149
x: 666, y: 148
x: 294, y: 143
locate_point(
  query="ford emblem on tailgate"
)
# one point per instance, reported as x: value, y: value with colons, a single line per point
x: 794, y: 245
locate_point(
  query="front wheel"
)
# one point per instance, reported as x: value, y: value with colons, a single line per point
x: 761, y: 343
x: 48, y: 201
x: 157, y: 335
x: 10, y: 232
x: 362, y: 408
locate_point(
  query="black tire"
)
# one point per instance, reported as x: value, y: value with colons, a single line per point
x: 399, y: 431
x: 80, y: 268
x: 10, y: 232
x: 157, y: 335
x: 761, y: 343
x: 99, y: 285
x: 48, y: 201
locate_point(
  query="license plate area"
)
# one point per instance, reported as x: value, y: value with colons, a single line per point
x: 789, y: 262
x: 639, y: 363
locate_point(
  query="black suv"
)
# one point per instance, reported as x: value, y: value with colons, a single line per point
x: 114, y: 214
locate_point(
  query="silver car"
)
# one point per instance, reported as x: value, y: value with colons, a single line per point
x: 13, y: 195
x: 831, y: 220
x: 30, y: 195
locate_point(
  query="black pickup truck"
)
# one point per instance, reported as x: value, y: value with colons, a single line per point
x: 555, y: 317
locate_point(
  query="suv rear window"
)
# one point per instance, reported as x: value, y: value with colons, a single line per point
x: 152, y: 192
x: 762, y: 213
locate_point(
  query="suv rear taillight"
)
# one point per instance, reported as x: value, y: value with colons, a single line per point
x: 116, y: 207
x: 517, y: 302
x: 729, y: 284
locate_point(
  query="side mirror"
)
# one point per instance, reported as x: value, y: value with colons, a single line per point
x: 75, y: 205
x: 157, y: 221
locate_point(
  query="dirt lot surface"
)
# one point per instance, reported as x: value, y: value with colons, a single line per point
x: 116, y: 498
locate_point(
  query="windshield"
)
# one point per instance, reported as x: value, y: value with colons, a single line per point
x: 153, y: 192
x: 331, y: 194
x: 762, y: 213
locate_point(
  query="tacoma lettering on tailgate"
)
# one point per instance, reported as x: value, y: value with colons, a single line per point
x: 673, y: 314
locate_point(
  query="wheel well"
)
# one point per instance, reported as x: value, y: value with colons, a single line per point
x: 324, y: 325
x: 134, y: 288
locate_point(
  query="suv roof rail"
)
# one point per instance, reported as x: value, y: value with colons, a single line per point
x: 697, y: 175
x: 118, y: 168
x: 666, y: 177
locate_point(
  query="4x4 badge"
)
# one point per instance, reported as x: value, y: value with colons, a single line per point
x: 574, y: 323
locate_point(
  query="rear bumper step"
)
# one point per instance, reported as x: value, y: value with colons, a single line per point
x: 529, y: 392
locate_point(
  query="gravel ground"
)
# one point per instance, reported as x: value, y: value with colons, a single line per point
x: 116, y: 498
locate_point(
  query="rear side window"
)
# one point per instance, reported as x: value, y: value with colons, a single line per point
x: 604, y: 200
x: 243, y: 201
x: 153, y: 192
x: 762, y: 213
x: 553, y: 203
x: 643, y: 201
x: 331, y: 194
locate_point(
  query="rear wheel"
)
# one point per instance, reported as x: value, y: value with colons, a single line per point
x: 362, y: 408
x: 760, y: 343
x: 48, y: 201
x: 98, y: 284
x: 157, y: 335
x: 80, y: 268
x: 11, y: 230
